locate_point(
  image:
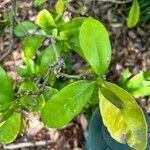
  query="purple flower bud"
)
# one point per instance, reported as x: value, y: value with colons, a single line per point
x: 61, y: 61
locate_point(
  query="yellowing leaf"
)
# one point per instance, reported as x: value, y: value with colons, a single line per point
x: 134, y: 14
x: 45, y: 20
x: 126, y: 125
x: 60, y: 5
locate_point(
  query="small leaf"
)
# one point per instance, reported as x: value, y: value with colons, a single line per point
x: 49, y: 92
x: 124, y: 76
x: 127, y: 125
x: 45, y: 20
x: 70, y: 32
x: 138, y: 85
x: 6, y: 88
x: 31, y: 45
x: 60, y: 6
x: 113, y: 98
x: 138, y: 81
x: 29, y: 100
x: 143, y: 91
x: 24, y: 72
x: 39, y: 2
x: 134, y: 14
x: 10, y: 128
x: 67, y: 103
x: 30, y: 66
x: 29, y: 26
x: 46, y: 58
x: 95, y: 45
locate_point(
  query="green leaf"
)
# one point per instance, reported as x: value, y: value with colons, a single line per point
x: 138, y: 85
x: 134, y: 14
x: 46, y: 58
x: 67, y: 103
x: 29, y: 26
x: 39, y: 2
x: 6, y: 114
x: 139, y: 80
x: 124, y: 76
x: 49, y: 92
x: 31, y: 45
x: 6, y: 88
x: 34, y: 104
x: 95, y: 45
x: 60, y: 6
x: 10, y: 128
x: 24, y: 72
x: 127, y: 125
x: 70, y: 32
x: 45, y: 20
x: 4, y: 106
x: 30, y: 66
x: 143, y: 91
x: 94, y: 100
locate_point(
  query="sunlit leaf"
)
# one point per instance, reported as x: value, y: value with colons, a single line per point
x: 60, y: 6
x: 67, y: 103
x: 10, y: 128
x: 143, y: 91
x: 31, y: 45
x: 6, y: 88
x: 124, y: 76
x: 95, y: 45
x: 139, y: 80
x: 134, y: 14
x: 45, y: 20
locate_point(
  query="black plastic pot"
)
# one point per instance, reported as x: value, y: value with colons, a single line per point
x: 98, y: 138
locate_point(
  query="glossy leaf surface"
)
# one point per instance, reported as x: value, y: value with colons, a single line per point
x: 45, y: 20
x: 10, y: 128
x: 31, y: 45
x: 6, y: 88
x: 134, y: 14
x: 95, y: 45
x: 67, y: 103
x: 35, y: 104
x: 125, y: 125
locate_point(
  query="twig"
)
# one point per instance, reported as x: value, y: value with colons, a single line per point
x: 47, y: 76
x: 21, y: 26
x: 27, y: 144
x: 10, y: 49
x: 115, y: 1
x: 40, y: 34
x: 80, y: 76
